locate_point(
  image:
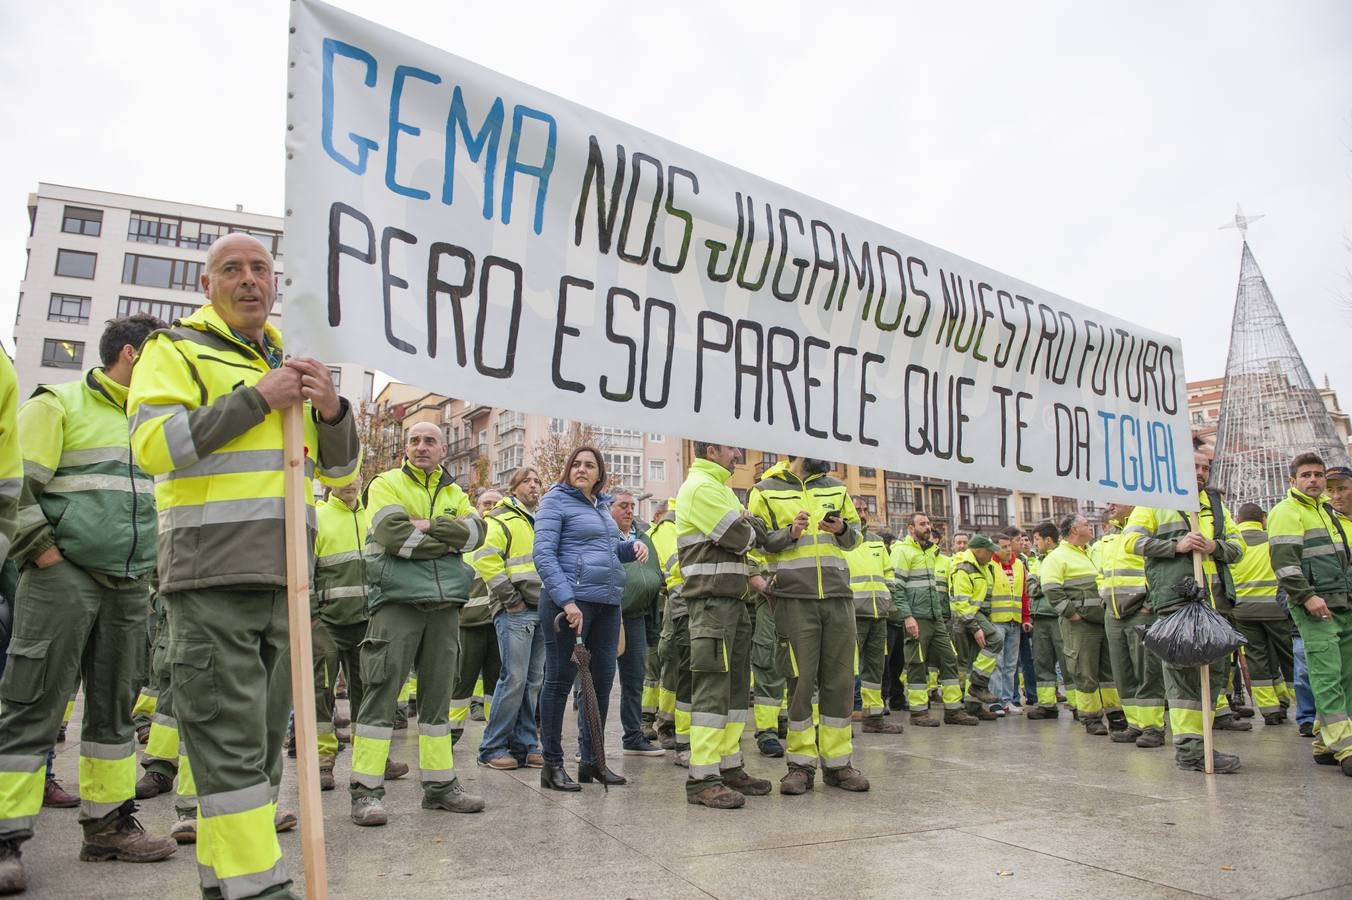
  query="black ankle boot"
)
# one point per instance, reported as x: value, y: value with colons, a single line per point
x: 589, y: 772
x: 557, y: 779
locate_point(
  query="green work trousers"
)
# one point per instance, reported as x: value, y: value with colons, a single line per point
x: 932, y: 648
x: 230, y: 671
x: 652, y: 678
x: 1183, y: 693
x: 1328, y: 657
x: 1048, y: 654
x: 336, y: 648
x: 720, y: 679
x: 768, y: 680
x: 1086, y: 651
x: 70, y: 625
x: 400, y: 637
x: 1137, y: 672
x: 677, y: 678
x: 870, y: 636
x: 1269, y: 653
x: 478, y: 654
x: 977, y: 662
x: 820, y: 641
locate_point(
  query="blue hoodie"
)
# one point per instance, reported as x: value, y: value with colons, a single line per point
x: 578, y: 548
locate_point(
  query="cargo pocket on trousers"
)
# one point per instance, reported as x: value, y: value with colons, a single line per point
x: 708, y: 651
x: 26, y: 671
x: 193, y: 681
x: 374, y: 660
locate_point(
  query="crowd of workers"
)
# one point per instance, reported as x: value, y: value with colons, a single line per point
x: 150, y: 491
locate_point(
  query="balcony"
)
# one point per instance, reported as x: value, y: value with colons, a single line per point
x: 478, y: 409
x: 467, y: 448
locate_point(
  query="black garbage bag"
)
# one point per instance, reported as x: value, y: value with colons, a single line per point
x: 1194, y: 635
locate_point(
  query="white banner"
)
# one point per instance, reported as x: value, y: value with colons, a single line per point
x: 478, y: 237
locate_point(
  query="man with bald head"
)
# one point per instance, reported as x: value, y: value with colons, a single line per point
x: 205, y: 405
x: 421, y: 525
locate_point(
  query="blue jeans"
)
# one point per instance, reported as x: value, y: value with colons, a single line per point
x: 600, y: 634
x: 1304, y: 695
x: 1026, y: 665
x: 1003, y: 681
x: 511, y: 728
x: 632, y: 666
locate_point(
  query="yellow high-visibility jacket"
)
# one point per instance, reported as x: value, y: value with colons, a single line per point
x: 340, y: 570
x: 1309, y: 550
x: 813, y: 567
x: 712, y: 534
x: 11, y: 459
x: 506, y: 561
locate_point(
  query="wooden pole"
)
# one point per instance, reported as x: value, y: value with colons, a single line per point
x: 1199, y: 575
x: 302, y: 662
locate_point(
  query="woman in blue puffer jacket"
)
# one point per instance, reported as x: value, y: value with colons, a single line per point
x: 578, y: 555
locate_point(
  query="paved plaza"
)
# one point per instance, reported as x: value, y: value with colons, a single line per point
x: 1010, y: 809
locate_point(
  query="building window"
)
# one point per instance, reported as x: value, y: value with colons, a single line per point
x: 620, y: 438
x: 865, y: 472
x: 75, y: 264
x: 918, y: 498
x: 156, y: 271
x: 68, y: 308
x: 1046, y: 508
x: 160, y: 309
x: 558, y: 426
x: 63, y: 354
x: 174, y: 231
x: 1027, y: 509
x: 509, y: 460
x: 965, y: 508
x: 337, y: 375
x: 657, y: 438
x: 623, y: 469
x: 368, y: 386
x: 657, y: 470
x: 78, y: 220
x: 938, y: 502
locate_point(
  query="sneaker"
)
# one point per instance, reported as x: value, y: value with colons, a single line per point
x: 1224, y: 763
x: 718, y: 796
x: 644, y: 748
x: 1126, y: 735
x: 284, y: 821
x: 394, y: 770
x: 769, y: 745
x: 152, y: 784
x: 1231, y: 723
x: 1150, y: 739
x: 453, y: 799
x: 682, y: 759
x: 1305, y: 729
x: 12, y: 877
x: 744, y: 783
x: 923, y: 720
x: 876, y: 725
x: 847, y: 778
x: 960, y: 717
x: 368, y: 810
x: 797, y: 781
x: 185, y: 829
x: 54, y: 796
x: 998, y: 711
x: 1012, y: 709
x: 121, y: 837
x: 501, y: 763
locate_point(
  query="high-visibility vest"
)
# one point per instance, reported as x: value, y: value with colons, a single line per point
x: 1070, y: 582
x: 1121, y: 582
x: 1309, y: 550
x: 871, y: 577
x: 11, y: 460
x: 813, y: 566
x: 713, y: 534
x: 340, y: 570
x: 1007, y: 591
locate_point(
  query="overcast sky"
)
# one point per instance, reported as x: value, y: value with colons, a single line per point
x: 1092, y: 149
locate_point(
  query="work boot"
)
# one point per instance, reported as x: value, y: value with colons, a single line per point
x: 368, y: 810
x: 502, y: 763
x: 326, y: 773
x: 453, y: 799
x: 1150, y: 739
x: 1274, y: 718
x: 476, y: 710
x: 982, y: 694
x: 1044, y: 712
x: 923, y: 720
x: 535, y: 761
x: 1126, y: 735
x: 649, y: 732
x: 1224, y: 763
x: 960, y: 717
x: 185, y: 829
x: 12, y: 878
x: 719, y: 796
x: 744, y: 783
x: 1305, y: 729
x: 1231, y: 723
x: 400, y: 722
x: 152, y: 784
x: 1325, y: 759
x: 797, y: 781
x: 1094, y: 726
x: 682, y: 758
x: 121, y: 837
x: 1239, y: 709
x: 394, y: 769
x: 876, y: 725
x: 984, y: 714
x: 54, y: 796
x: 1346, y: 766
x: 782, y: 728
x: 283, y: 820
x: 1117, y: 722
x: 769, y: 745
x: 847, y: 778
x: 142, y: 734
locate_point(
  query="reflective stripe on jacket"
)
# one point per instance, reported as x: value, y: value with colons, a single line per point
x: 1121, y: 583
x: 920, y: 596
x: 1038, y: 604
x: 215, y: 448
x: 340, y: 569
x: 872, y: 577
x: 1007, y: 592
x: 1256, y: 586
x: 1153, y: 533
x: 81, y: 490
x: 1070, y: 582
x: 969, y: 587
x: 663, y: 536
x: 713, y: 534
x: 1309, y: 550
x: 506, y: 561
x: 813, y: 567
x: 405, y: 564
x: 11, y: 460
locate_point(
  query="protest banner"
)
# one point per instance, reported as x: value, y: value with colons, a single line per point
x: 484, y: 239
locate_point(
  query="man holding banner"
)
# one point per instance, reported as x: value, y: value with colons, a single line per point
x: 810, y: 522
x: 205, y: 404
